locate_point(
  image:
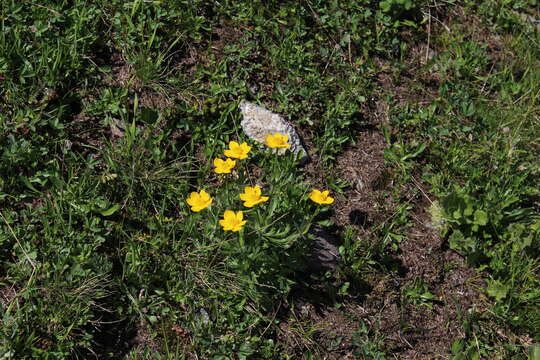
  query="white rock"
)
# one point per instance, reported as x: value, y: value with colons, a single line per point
x: 257, y: 122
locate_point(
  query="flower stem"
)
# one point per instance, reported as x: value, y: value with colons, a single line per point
x: 241, y: 238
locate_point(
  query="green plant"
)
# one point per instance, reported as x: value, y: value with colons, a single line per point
x: 418, y: 293
x: 368, y: 344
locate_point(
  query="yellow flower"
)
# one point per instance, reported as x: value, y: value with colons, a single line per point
x: 164, y: 219
x: 252, y: 196
x: 224, y: 166
x: 232, y: 221
x: 237, y: 151
x: 199, y: 201
x: 277, y: 140
x: 321, y: 197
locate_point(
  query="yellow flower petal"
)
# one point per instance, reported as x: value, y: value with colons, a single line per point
x: 199, y: 201
x: 277, y: 140
x: 252, y: 196
x: 223, y: 166
x: 321, y: 198
x: 232, y: 221
x: 237, y: 151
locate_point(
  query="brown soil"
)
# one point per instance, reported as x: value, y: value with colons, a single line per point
x: 7, y: 294
x: 410, y: 330
x: 423, y: 331
x: 83, y: 130
x: 401, y: 325
x: 363, y: 167
x: 144, y: 340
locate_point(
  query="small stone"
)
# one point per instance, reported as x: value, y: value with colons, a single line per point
x: 324, y: 254
x: 117, y: 128
x: 258, y: 122
x: 203, y: 316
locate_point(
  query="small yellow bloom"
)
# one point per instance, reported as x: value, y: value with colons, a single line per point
x: 232, y: 221
x: 143, y: 237
x: 224, y: 166
x: 199, y: 201
x: 277, y: 140
x: 237, y: 151
x: 321, y: 197
x: 252, y: 196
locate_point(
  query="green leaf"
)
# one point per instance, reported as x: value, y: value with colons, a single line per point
x: 480, y: 217
x: 457, y: 347
x: 149, y: 116
x: 110, y: 210
x: 325, y: 223
x: 497, y: 289
x: 456, y: 240
x: 534, y: 352
x: 385, y: 6
x: 28, y: 184
x: 420, y: 149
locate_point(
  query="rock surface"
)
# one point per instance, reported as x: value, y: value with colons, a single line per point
x: 324, y: 254
x: 257, y: 122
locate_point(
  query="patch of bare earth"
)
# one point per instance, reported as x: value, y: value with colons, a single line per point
x: 7, y: 294
x: 86, y: 133
x: 423, y: 331
x: 410, y: 330
x: 144, y: 340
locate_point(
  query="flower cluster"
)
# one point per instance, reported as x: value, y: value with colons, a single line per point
x: 252, y: 195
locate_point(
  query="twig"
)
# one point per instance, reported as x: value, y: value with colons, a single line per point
x: 56, y: 13
x: 440, y: 22
x: 487, y: 77
x: 273, y: 318
x: 421, y: 190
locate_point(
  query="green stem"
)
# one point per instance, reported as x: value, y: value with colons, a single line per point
x: 241, y: 238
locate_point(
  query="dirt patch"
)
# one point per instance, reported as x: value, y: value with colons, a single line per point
x: 121, y: 73
x: 326, y: 332
x: 417, y: 328
x: 226, y: 34
x: 144, y: 340
x: 415, y: 83
x: 409, y: 326
x: 363, y: 167
x: 83, y: 130
x: 7, y: 295
x: 416, y: 307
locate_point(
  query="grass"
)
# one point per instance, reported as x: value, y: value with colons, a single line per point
x: 111, y: 114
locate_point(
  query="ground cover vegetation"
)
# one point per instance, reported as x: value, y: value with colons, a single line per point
x: 137, y: 221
